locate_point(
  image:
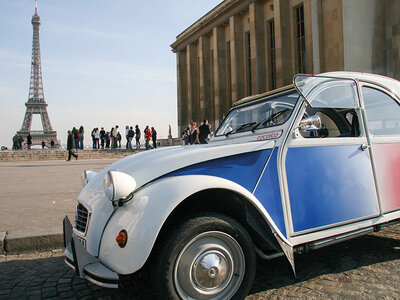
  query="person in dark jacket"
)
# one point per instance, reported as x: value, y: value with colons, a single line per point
x: 154, y: 137
x: 204, y: 132
x: 70, y: 146
x: 137, y: 133
x: 29, y: 141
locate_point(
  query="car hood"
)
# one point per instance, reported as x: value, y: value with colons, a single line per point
x: 145, y: 167
x: 149, y: 165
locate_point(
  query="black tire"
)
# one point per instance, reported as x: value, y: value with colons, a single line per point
x: 208, y: 256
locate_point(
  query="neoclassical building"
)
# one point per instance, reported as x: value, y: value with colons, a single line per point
x: 245, y: 47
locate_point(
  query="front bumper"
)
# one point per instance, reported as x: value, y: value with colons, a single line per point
x: 86, y: 265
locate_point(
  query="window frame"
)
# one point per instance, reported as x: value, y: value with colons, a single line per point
x: 388, y: 93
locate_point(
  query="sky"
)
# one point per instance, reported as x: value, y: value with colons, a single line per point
x: 104, y: 63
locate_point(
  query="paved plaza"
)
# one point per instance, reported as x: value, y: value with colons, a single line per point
x: 364, y: 268
x: 36, y: 195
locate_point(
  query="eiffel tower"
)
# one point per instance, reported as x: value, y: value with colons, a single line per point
x: 36, y: 103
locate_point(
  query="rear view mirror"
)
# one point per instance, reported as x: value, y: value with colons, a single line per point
x: 310, y: 123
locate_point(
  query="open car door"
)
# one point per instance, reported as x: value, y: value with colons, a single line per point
x: 329, y: 175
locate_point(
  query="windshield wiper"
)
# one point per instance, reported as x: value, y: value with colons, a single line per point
x: 269, y: 119
x: 240, y: 128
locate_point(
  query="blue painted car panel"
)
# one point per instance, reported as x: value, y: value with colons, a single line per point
x: 268, y: 192
x: 243, y: 169
x: 329, y: 184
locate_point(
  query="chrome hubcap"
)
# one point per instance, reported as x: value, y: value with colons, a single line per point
x: 210, y: 266
x: 210, y: 270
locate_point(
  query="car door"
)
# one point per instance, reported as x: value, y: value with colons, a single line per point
x: 383, y: 124
x: 328, y: 173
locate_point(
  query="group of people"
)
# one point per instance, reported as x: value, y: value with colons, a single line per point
x: 106, y: 139
x: 78, y: 135
x: 102, y: 139
x: 18, y: 142
x: 197, y: 134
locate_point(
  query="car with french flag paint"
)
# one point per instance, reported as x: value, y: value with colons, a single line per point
x: 286, y: 172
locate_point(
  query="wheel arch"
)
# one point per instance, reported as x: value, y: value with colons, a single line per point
x: 226, y: 202
x: 161, y: 204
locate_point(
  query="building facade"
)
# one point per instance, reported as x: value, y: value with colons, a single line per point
x: 246, y: 47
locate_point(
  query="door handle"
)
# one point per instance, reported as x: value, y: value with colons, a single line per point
x: 364, y: 147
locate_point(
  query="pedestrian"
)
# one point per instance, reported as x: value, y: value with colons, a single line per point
x: 154, y: 137
x: 114, y: 137
x: 119, y: 138
x: 127, y: 136
x: 147, y: 137
x: 43, y: 144
x: 108, y: 139
x: 52, y: 144
x: 137, y: 134
x: 29, y: 141
x: 204, y: 132
x: 102, y: 137
x: 186, y: 136
x: 92, y: 135
x: 15, y: 142
x: 96, y: 138
x: 81, y: 133
x: 131, y: 134
x: 70, y: 146
x: 75, y: 136
x: 194, y: 135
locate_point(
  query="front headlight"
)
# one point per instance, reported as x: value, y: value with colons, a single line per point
x: 118, y: 185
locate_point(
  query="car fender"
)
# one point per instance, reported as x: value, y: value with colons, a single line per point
x: 144, y: 215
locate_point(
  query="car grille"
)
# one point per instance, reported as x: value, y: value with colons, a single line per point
x: 81, y: 218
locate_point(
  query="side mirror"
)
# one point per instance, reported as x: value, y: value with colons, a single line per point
x: 310, y: 123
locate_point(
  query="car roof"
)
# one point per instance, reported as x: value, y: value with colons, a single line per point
x: 390, y: 84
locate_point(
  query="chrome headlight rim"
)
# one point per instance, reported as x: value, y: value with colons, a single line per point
x: 87, y: 176
x: 119, y: 186
x: 108, y: 185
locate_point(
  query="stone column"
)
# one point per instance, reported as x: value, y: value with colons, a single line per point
x: 220, y: 76
x: 205, y: 77
x: 317, y: 42
x: 257, y: 36
x: 182, y: 77
x: 237, y: 61
x: 193, y: 82
x: 283, y: 46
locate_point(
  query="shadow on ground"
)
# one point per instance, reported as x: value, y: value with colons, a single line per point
x: 51, y: 278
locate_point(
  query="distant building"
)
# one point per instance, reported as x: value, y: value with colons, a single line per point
x: 245, y: 47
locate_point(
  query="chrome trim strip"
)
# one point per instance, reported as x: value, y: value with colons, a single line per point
x: 263, y: 170
x: 347, y: 222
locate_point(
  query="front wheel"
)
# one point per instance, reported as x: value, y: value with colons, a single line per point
x: 206, y: 257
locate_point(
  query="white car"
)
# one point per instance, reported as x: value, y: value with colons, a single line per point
x: 287, y: 171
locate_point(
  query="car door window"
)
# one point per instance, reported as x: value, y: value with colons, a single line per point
x: 337, y: 122
x: 383, y: 112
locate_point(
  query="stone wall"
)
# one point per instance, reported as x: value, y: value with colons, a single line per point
x: 38, y: 155
x: 60, y: 154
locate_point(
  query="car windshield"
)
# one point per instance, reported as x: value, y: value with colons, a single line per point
x: 263, y: 114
